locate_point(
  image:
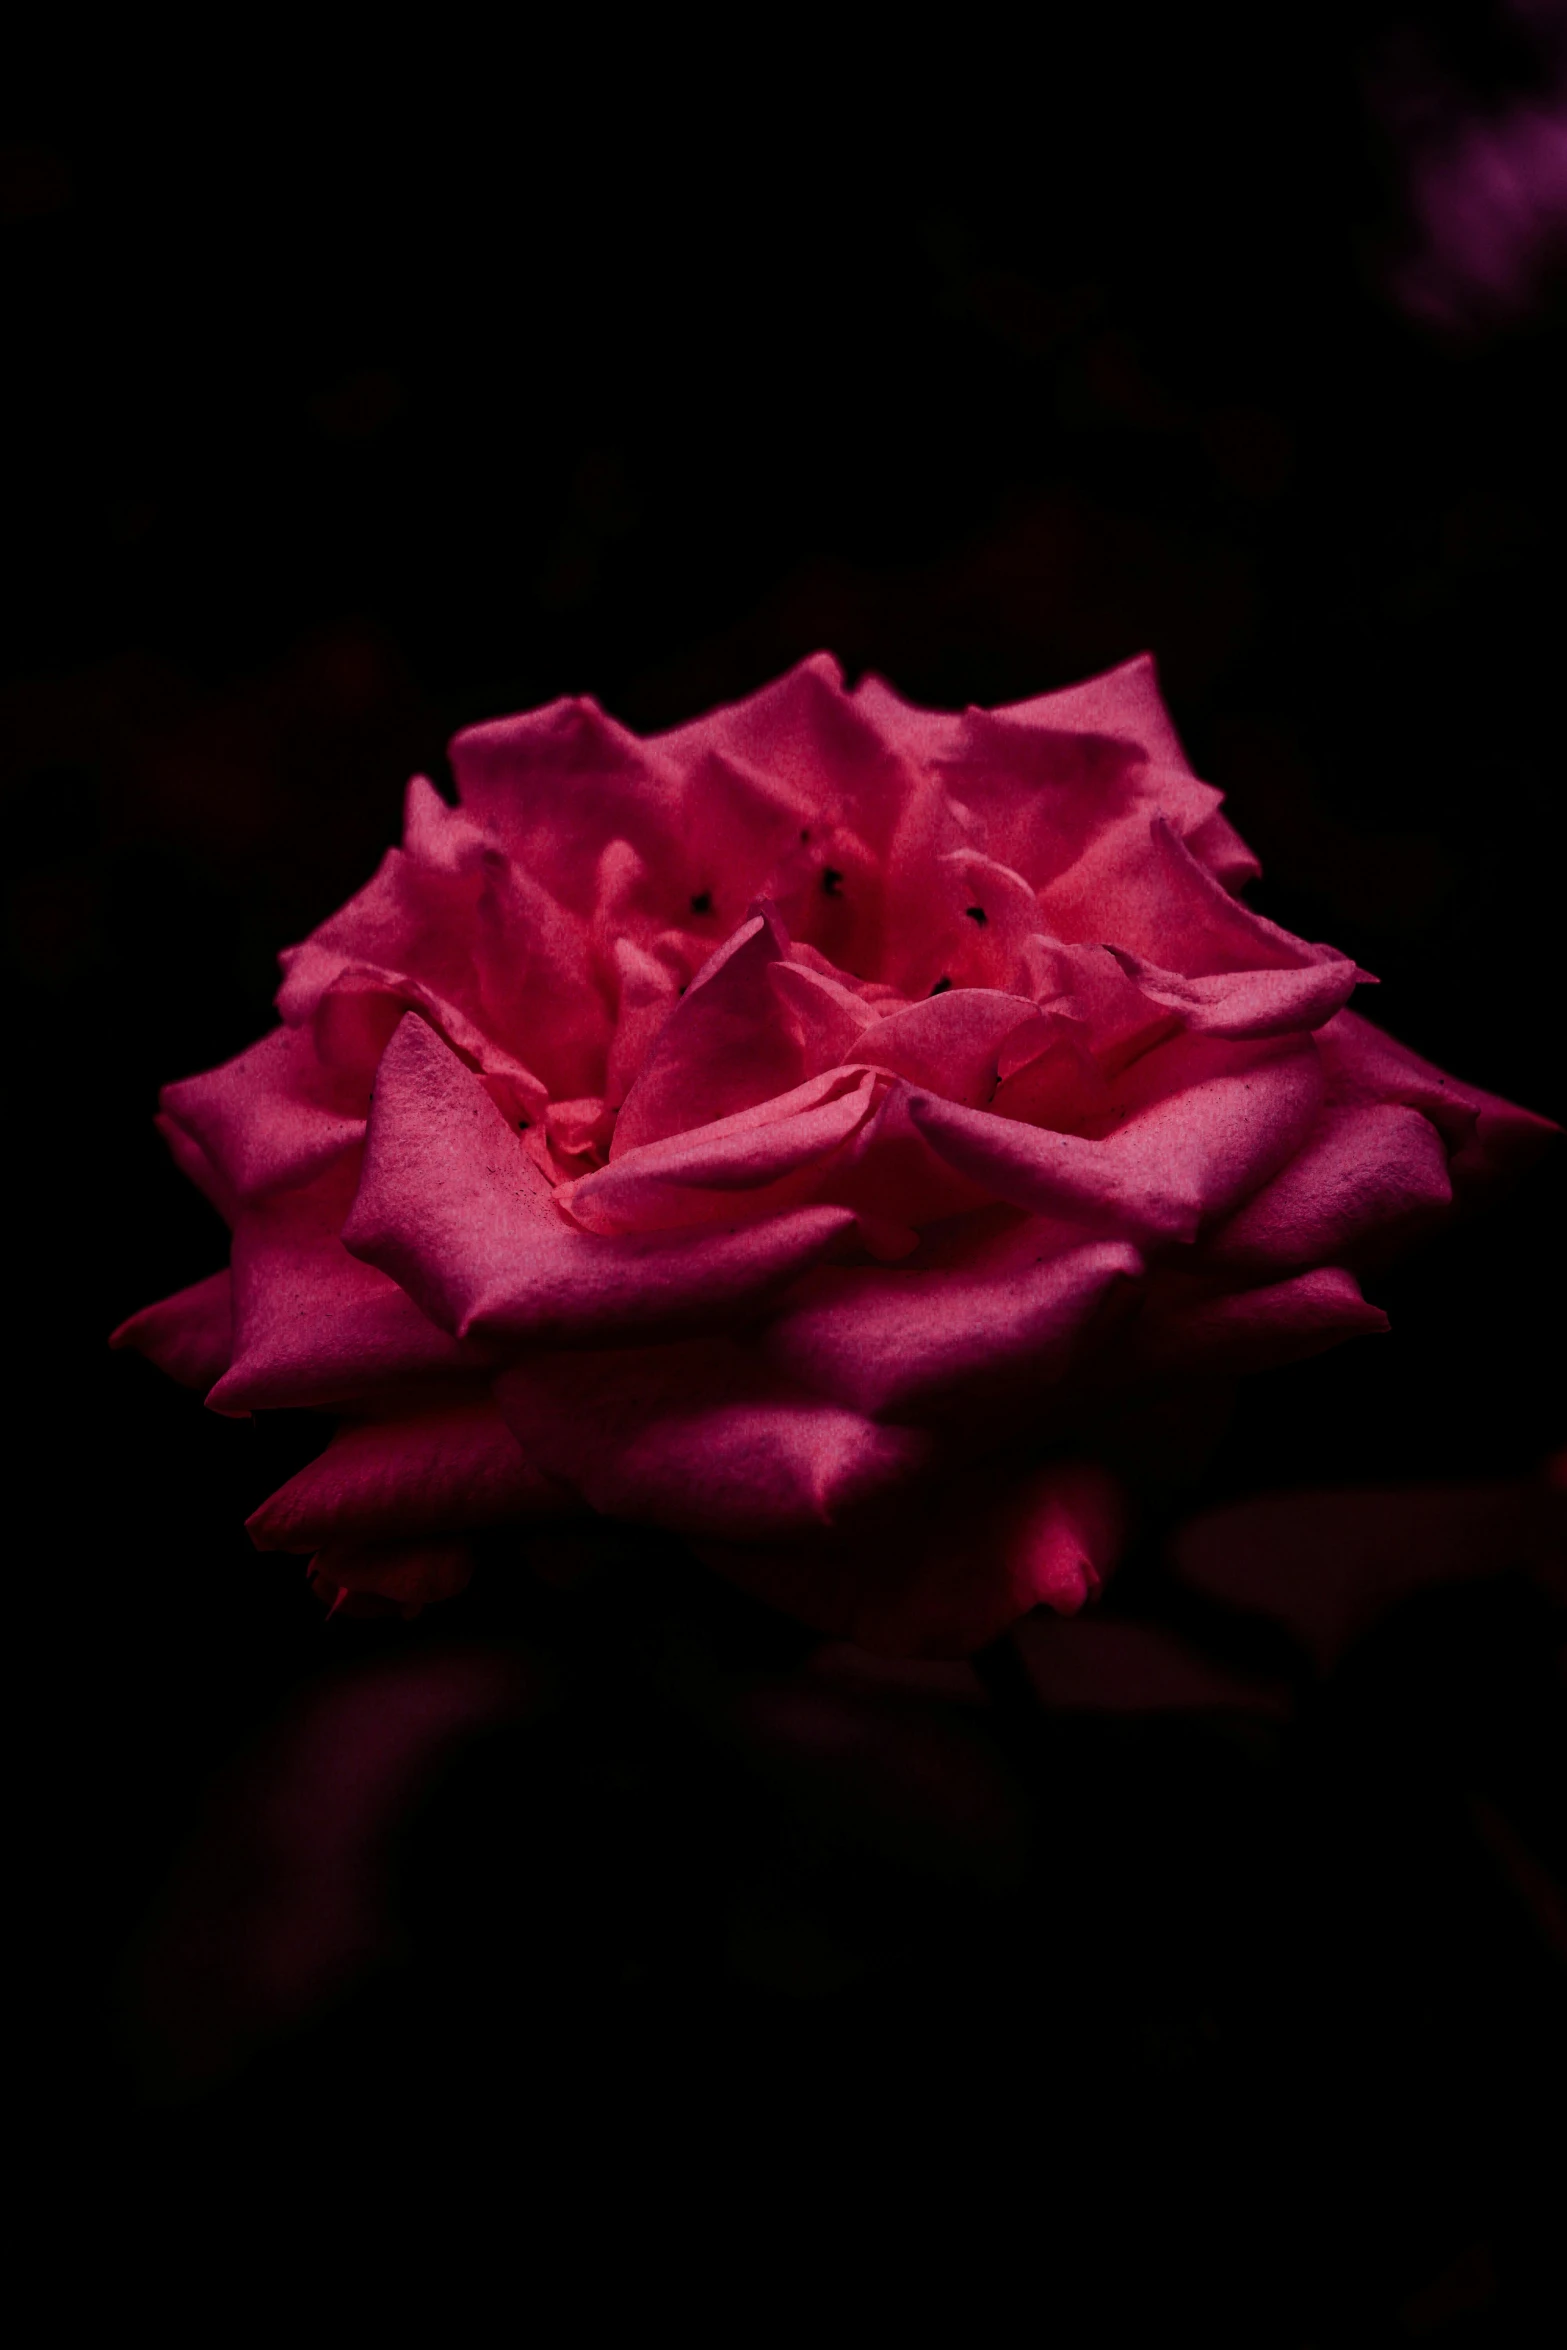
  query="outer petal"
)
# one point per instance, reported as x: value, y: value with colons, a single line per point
x: 1139, y: 887
x: 1191, y: 1332
x: 555, y: 784
x: 454, y: 1211
x: 314, y: 1326
x: 1247, y: 1003
x: 270, y: 1119
x: 1364, y: 1175
x: 1124, y: 1666
x: 700, y: 1438
x: 1123, y: 704
x: 398, y: 1578
x: 912, y: 1345
x: 812, y: 742
x: 193, y: 1162
x: 1329, y: 1564
x: 189, y: 1335
x: 1232, y: 1116
x: 436, y: 1472
x: 950, y: 1567
x: 1490, y: 1139
x: 413, y: 917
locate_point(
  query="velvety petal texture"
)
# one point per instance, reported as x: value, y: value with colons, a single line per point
x: 826, y: 1131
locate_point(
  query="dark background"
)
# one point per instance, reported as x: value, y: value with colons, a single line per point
x: 347, y: 406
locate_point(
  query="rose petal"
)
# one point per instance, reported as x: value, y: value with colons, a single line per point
x: 454, y: 1211
x: 403, y: 1577
x: 1247, y: 1003
x: 1189, y: 1330
x: 270, y: 1119
x: 312, y: 1325
x: 648, y: 992
x: 555, y: 784
x: 917, y: 1345
x: 1365, y: 1174
x: 193, y: 1163
x: 1490, y: 1139
x: 829, y: 1018
x: 1139, y: 887
x: 434, y: 1472
x: 1125, y: 1667
x: 757, y: 1162
x: 725, y: 1047
x: 1224, y: 1117
x: 944, y: 1573
x: 699, y: 1437
x: 1328, y: 1565
x: 1123, y: 704
x: 189, y: 1335
x: 950, y: 1043
x: 887, y: 1172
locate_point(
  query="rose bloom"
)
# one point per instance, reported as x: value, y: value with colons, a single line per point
x: 818, y: 1131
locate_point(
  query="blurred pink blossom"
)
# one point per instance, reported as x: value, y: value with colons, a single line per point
x: 1485, y: 186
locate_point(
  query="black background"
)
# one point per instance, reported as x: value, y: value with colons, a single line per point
x: 346, y: 406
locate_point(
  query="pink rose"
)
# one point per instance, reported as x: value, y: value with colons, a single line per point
x: 813, y: 1131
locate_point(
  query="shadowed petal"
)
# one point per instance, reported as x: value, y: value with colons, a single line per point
x: 312, y: 1325
x: 699, y: 1437
x: 189, y: 1335
x: 1188, y: 1329
x: 945, y: 1571
x: 432, y: 1472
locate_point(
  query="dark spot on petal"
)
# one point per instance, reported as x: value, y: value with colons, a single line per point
x: 682, y: 991
x: 806, y: 834
x: 976, y: 914
x: 832, y: 882
x: 942, y: 985
x: 522, y: 1125
x: 702, y: 903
